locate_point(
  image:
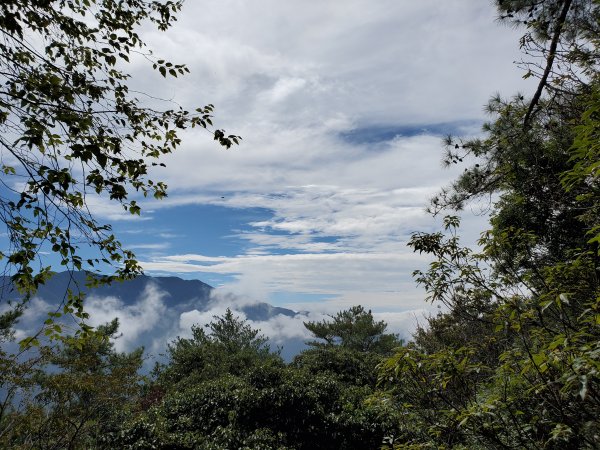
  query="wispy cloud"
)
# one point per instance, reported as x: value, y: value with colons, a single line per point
x: 154, y: 246
x: 153, y: 319
x: 375, y: 275
x: 135, y: 319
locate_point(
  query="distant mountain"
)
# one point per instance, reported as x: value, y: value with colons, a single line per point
x: 56, y: 287
x: 192, y: 293
x: 152, y: 317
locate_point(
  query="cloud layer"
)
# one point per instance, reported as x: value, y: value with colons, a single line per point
x: 341, y: 106
x: 153, y: 320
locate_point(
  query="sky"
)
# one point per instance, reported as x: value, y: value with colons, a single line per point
x: 342, y: 106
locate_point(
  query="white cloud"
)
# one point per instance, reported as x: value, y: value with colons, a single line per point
x: 135, y: 319
x: 29, y: 323
x: 403, y: 323
x: 152, y: 246
x: 148, y: 322
x: 388, y: 61
x: 198, y: 318
x: 277, y: 329
x: 281, y: 328
x: 382, y: 279
x: 292, y: 78
x: 106, y: 209
x: 283, y: 88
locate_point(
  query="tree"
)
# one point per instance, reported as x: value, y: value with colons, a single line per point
x: 355, y: 329
x: 78, y: 395
x: 231, y: 346
x: 506, y: 366
x: 71, y: 128
x: 584, y: 176
x: 354, y: 344
x: 267, y: 408
x: 225, y: 389
x: 17, y: 375
x: 514, y: 362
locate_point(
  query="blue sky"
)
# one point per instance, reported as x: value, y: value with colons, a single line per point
x: 341, y: 106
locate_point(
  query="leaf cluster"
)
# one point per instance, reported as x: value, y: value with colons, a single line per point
x: 72, y: 129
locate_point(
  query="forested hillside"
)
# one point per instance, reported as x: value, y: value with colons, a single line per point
x: 511, y: 361
x: 223, y: 388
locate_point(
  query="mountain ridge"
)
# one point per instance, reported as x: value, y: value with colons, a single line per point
x: 194, y: 293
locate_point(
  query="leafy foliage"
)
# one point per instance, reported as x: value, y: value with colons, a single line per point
x: 231, y: 346
x: 79, y: 394
x: 225, y: 389
x: 354, y: 344
x: 354, y: 329
x: 71, y: 128
x: 514, y: 362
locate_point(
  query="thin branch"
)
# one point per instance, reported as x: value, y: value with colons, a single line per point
x: 549, y: 62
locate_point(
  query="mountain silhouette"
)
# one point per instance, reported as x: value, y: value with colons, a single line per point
x: 129, y: 300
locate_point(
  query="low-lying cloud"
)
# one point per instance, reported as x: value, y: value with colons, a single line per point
x: 151, y: 321
x: 137, y: 319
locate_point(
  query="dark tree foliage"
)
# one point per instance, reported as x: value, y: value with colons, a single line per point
x: 224, y: 388
x: 515, y: 361
x: 350, y: 345
x: 231, y: 346
x: 354, y: 329
x: 511, y: 362
x: 77, y: 396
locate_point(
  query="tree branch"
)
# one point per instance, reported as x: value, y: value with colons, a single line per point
x: 549, y: 61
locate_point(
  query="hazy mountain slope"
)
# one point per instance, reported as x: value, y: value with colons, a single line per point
x: 154, y: 310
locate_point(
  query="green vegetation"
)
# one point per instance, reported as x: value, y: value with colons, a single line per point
x: 512, y: 362
x: 515, y: 361
x: 71, y: 396
x: 222, y: 388
x: 226, y: 389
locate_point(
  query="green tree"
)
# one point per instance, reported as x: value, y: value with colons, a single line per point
x: 79, y: 394
x: 225, y: 389
x: 229, y: 346
x: 584, y: 177
x: 514, y: 362
x: 351, y: 344
x: 267, y: 408
x: 354, y: 329
x: 17, y: 375
x: 70, y: 128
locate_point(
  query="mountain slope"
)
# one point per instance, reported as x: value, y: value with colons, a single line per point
x: 153, y: 311
x: 177, y: 291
